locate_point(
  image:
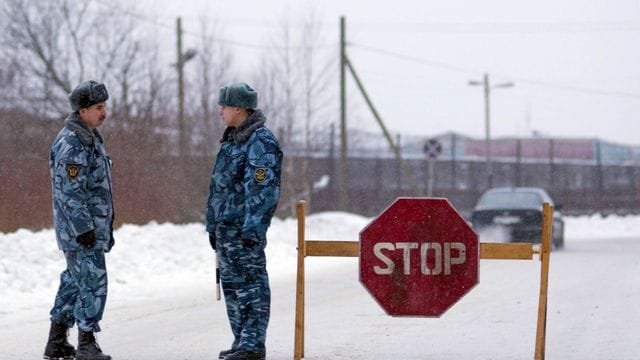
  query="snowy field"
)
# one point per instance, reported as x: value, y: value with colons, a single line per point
x: 162, y: 305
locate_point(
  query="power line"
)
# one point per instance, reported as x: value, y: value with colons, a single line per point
x: 441, y: 65
x: 456, y: 27
x: 591, y: 91
x: 416, y: 59
x: 158, y: 23
x: 503, y: 27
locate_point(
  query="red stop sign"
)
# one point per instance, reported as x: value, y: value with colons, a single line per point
x: 418, y: 257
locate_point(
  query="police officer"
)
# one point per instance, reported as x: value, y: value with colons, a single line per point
x: 83, y: 217
x: 243, y: 195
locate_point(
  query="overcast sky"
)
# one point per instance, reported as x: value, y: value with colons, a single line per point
x: 575, y: 64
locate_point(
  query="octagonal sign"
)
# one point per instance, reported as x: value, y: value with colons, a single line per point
x: 418, y: 257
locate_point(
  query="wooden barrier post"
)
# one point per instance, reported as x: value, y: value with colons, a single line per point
x: 488, y: 251
x: 545, y: 254
x: 298, y: 350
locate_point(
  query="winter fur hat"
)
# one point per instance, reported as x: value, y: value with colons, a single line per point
x: 238, y: 95
x: 86, y: 94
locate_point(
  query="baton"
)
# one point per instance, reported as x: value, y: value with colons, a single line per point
x: 217, y: 278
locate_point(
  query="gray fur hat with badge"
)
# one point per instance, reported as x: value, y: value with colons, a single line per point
x: 238, y: 95
x: 86, y: 94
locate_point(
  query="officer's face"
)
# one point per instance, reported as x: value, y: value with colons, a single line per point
x: 232, y: 116
x: 94, y: 115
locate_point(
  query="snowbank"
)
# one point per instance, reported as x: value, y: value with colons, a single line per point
x: 154, y: 259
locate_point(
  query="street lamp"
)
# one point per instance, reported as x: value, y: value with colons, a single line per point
x: 487, y: 121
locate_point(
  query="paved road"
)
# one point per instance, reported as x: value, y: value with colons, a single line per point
x: 593, y: 314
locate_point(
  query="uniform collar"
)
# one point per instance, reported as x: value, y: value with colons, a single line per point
x: 241, y: 134
x: 75, y: 123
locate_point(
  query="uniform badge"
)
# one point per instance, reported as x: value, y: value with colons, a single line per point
x: 73, y: 171
x: 260, y: 174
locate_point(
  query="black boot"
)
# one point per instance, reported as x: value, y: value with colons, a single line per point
x: 245, y: 355
x: 57, y: 346
x: 88, y: 348
x: 225, y: 353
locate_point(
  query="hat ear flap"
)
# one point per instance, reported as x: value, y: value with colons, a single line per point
x: 223, y: 96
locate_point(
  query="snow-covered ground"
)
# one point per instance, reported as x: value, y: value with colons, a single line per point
x: 159, y: 272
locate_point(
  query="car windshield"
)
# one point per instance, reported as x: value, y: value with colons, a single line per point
x: 510, y: 200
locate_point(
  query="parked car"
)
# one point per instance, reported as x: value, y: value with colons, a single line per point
x: 516, y: 213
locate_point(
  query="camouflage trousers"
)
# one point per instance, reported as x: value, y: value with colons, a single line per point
x: 82, y: 293
x: 245, y: 284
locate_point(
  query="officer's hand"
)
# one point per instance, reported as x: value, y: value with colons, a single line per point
x: 212, y: 240
x: 87, y: 240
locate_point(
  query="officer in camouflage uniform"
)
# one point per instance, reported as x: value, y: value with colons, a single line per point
x: 244, y: 193
x: 83, y: 217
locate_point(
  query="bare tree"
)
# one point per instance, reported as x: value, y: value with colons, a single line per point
x: 123, y: 64
x: 59, y: 44
x: 316, y: 77
x: 62, y: 43
x: 281, y: 81
x: 34, y: 30
x: 214, y: 68
x: 295, y: 79
x: 9, y: 80
x: 143, y: 109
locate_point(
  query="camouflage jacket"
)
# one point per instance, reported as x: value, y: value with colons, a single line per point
x: 245, y: 184
x: 81, y: 186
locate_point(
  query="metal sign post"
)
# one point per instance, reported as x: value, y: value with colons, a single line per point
x: 432, y: 149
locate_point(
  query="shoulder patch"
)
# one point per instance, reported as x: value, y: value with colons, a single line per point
x: 73, y: 171
x: 260, y: 175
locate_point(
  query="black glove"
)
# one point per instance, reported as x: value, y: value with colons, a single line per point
x: 87, y: 240
x: 249, y: 244
x: 212, y: 240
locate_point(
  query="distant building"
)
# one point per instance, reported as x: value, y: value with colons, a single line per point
x: 539, y: 149
x: 552, y: 149
x: 529, y: 149
x: 635, y: 154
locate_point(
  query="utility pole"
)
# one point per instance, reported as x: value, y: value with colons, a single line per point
x: 487, y: 120
x: 345, y: 64
x: 343, y: 178
x: 183, y: 58
x: 180, y: 68
x: 396, y: 149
